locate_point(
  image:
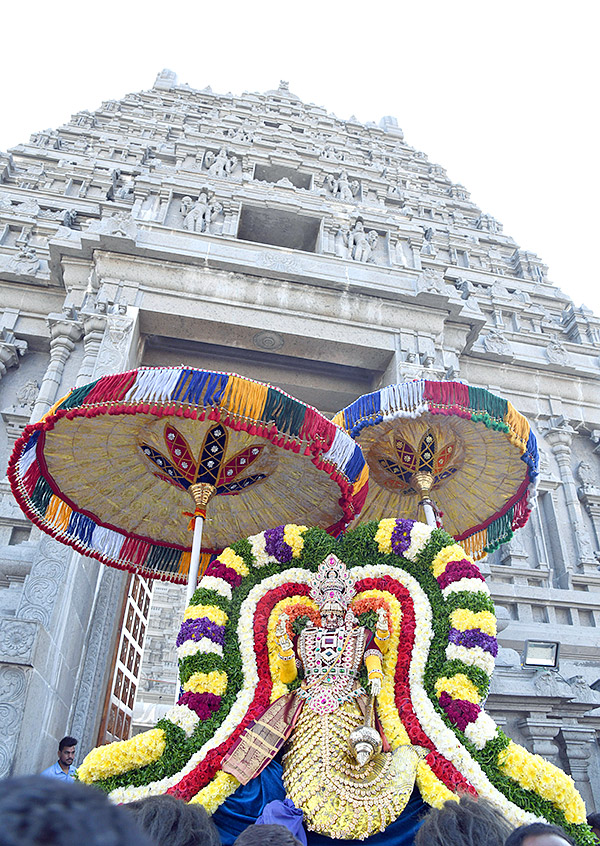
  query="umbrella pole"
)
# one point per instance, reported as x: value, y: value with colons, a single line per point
x: 202, y: 492
x: 423, y: 482
x: 194, y: 559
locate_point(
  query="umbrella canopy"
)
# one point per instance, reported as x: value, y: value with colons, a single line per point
x: 471, y: 451
x: 111, y: 469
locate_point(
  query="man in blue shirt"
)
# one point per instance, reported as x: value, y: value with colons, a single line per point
x: 63, y: 769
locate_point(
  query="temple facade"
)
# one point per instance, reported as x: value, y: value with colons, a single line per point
x: 265, y: 236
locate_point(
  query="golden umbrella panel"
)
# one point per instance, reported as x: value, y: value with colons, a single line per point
x: 451, y: 449
x: 112, y: 469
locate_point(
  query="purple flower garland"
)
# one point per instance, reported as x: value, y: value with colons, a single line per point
x: 401, y: 536
x: 276, y: 546
x: 198, y: 628
x: 474, y: 637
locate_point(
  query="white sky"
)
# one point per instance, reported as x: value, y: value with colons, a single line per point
x: 504, y: 95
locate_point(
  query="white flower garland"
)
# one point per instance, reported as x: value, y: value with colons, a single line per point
x: 204, y: 645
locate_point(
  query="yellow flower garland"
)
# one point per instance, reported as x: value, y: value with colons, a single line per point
x: 445, y: 556
x: 292, y: 535
x: 231, y: 559
x: 459, y: 687
x: 383, y: 535
x: 213, y: 682
x: 213, y: 613
x: 534, y: 773
x: 463, y: 619
x: 279, y: 687
x: 122, y: 756
x: 211, y: 796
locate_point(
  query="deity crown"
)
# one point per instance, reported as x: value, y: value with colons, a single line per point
x: 332, y: 581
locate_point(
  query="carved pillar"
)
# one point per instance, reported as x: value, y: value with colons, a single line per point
x: 118, y: 350
x: 589, y: 495
x: 579, y: 742
x: 74, y: 602
x: 540, y: 735
x: 560, y: 439
x: 63, y: 335
x: 93, y: 332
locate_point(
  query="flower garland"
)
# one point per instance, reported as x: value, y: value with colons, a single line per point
x: 436, y: 670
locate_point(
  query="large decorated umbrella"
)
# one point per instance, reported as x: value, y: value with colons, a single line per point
x: 114, y: 467
x: 453, y: 450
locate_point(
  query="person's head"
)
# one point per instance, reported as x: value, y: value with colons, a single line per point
x: 171, y: 822
x: 66, y: 750
x: 539, y: 834
x: 593, y: 821
x: 38, y: 811
x: 468, y: 822
x: 266, y: 835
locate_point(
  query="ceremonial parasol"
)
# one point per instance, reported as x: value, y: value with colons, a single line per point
x: 113, y: 466
x: 451, y: 449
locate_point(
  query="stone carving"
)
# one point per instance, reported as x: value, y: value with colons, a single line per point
x: 27, y: 394
x: 16, y: 640
x: 582, y: 690
x: 198, y: 215
x: 427, y: 247
x: 120, y: 224
x: 242, y: 134
x: 67, y: 217
x: 26, y: 262
x: 583, y: 542
x: 341, y: 188
x: 357, y: 244
x: 270, y: 341
x: 556, y: 352
x: 113, y: 354
x: 280, y: 262
x: 42, y: 584
x: 488, y: 223
x: 590, y: 483
x: 431, y: 281
x: 222, y: 164
x: 332, y: 155
x: 47, y: 138
x: 13, y: 688
x: 495, y: 342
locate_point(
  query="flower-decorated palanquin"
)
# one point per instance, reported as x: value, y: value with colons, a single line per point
x: 289, y: 635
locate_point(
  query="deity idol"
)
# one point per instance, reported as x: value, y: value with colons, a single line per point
x: 333, y: 766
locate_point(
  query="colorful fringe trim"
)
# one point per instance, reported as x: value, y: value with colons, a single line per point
x: 236, y: 402
x: 412, y: 399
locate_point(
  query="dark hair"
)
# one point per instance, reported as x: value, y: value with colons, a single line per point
x: 519, y: 834
x: 168, y: 820
x: 38, y: 811
x: 67, y: 741
x: 593, y: 820
x: 266, y: 835
x: 468, y: 822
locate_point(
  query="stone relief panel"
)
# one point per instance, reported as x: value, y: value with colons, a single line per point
x: 202, y: 215
x: 13, y: 692
x: 340, y: 187
x: 357, y: 243
x: 222, y: 164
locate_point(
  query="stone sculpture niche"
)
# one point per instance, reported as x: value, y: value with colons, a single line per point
x: 356, y: 244
x: 221, y: 164
x: 201, y: 215
x: 341, y: 188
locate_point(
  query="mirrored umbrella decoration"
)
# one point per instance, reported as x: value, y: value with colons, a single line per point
x: 114, y: 467
x: 462, y: 454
